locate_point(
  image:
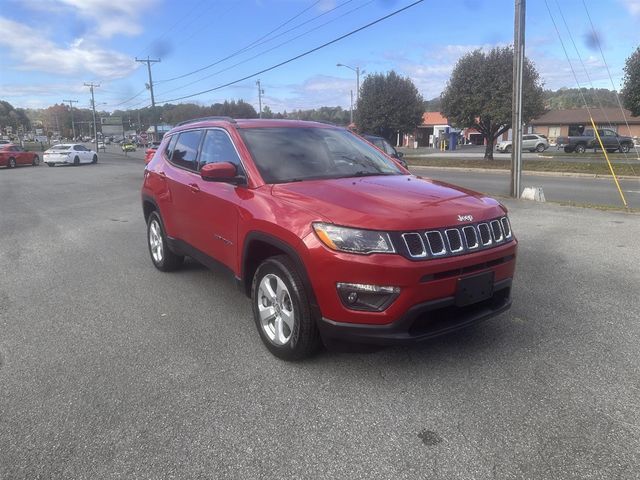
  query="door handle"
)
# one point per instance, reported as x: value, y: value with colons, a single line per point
x: 162, y: 174
x: 194, y: 188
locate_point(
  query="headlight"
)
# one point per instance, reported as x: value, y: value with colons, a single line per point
x: 353, y: 240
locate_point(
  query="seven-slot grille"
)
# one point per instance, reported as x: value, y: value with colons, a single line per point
x: 457, y: 240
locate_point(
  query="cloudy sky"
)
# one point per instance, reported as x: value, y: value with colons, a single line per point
x: 50, y: 48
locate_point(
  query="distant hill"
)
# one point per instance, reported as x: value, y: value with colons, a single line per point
x: 571, y: 98
x: 560, y: 99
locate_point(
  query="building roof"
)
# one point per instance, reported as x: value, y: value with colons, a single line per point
x: 433, y: 118
x: 581, y: 116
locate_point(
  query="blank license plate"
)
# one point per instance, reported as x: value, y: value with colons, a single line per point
x: 474, y: 289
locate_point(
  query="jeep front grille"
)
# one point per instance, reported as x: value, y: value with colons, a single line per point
x: 456, y: 240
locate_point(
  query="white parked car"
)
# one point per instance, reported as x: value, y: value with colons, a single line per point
x: 69, y: 153
x: 530, y: 141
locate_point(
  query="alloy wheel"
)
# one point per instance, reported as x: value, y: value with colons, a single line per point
x: 275, y: 307
x: 155, y: 241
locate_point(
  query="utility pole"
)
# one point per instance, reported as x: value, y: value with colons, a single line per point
x: 148, y: 61
x: 351, y: 111
x: 93, y: 107
x: 516, y: 122
x: 73, y: 127
x: 260, y: 93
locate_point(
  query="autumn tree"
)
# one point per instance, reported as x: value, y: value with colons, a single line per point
x: 388, y: 103
x: 631, y: 90
x: 479, y: 94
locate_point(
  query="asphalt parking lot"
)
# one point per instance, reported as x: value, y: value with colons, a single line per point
x: 111, y: 369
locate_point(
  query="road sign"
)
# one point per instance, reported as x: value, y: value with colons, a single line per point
x: 143, y: 136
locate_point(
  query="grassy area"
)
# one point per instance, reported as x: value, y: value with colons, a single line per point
x: 598, y: 167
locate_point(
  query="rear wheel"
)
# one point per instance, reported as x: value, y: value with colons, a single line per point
x: 36, y: 160
x: 50, y: 164
x: 281, y: 310
x: 95, y: 159
x: 625, y: 147
x: 161, y: 255
x: 580, y: 148
x: 11, y: 163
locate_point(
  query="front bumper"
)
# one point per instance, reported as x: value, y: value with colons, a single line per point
x: 423, y: 321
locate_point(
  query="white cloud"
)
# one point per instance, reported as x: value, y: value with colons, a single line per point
x: 39, y: 54
x: 633, y: 6
x: 111, y: 17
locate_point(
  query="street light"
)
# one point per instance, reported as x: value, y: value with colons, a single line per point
x: 357, y: 70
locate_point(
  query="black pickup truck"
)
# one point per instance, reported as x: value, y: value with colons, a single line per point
x: 610, y: 139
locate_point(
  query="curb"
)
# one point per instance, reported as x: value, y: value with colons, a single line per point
x: 499, y: 171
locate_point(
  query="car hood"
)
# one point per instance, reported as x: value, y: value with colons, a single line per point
x: 398, y: 202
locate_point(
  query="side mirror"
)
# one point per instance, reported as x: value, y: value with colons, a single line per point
x: 399, y: 154
x: 225, y: 172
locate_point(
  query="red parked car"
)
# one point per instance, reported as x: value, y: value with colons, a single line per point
x: 329, y: 237
x: 13, y: 155
x: 150, y: 152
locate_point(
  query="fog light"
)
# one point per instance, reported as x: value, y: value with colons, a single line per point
x: 372, y: 298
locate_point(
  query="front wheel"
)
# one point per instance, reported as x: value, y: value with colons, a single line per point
x: 11, y: 163
x: 580, y: 148
x: 281, y: 310
x: 161, y: 255
x: 76, y: 161
x: 508, y: 149
x: 540, y: 148
x: 624, y: 148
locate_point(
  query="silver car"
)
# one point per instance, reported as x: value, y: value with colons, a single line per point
x: 530, y: 141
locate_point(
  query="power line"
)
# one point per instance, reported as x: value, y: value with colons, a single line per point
x: 326, y: 44
x: 595, y: 35
x: 595, y: 93
x: 129, y: 99
x: 243, y: 49
x: 272, y: 48
x: 624, y: 201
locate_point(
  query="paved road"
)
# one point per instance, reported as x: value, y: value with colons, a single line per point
x: 583, y: 190
x: 111, y: 369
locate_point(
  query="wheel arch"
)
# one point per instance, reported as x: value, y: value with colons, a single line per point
x: 258, y: 247
x: 149, y: 205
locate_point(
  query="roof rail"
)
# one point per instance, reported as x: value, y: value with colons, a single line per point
x: 204, y: 119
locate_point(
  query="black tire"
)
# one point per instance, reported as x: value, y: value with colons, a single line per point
x: 11, y: 163
x: 580, y: 148
x: 568, y: 149
x: 168, y: 261
x: 304, y: 338
x: 36, y: 160
x: 540, y: 148
x: 76, y: 161
x: 95, y: 159
x: 508, y: 149
x: 624, y: 148
x: 50, y: 164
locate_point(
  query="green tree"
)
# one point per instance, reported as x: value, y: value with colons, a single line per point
x: 266, y: 112
x: 12, y: 117
x: 631, y: 90
x: 388, y: 103
x: 479, y: 93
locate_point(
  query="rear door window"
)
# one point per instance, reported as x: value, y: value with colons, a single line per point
x: 185, y: 151
x: 170, y: 146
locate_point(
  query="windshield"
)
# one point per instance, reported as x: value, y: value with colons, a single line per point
x: 288, y: 154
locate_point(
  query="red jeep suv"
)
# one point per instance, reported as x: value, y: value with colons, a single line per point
x: 329, y: 237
